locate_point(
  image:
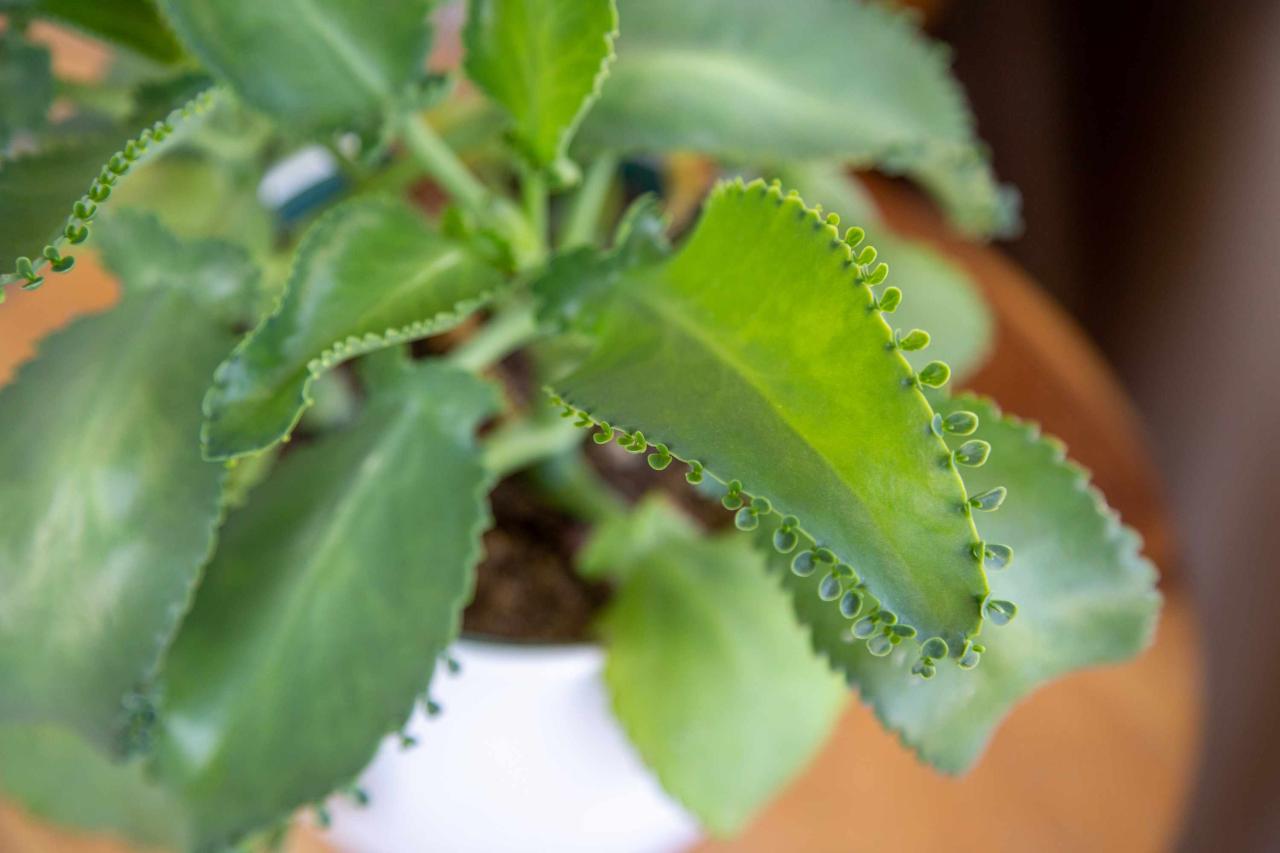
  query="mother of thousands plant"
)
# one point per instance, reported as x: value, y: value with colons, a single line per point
x: 200, y: 632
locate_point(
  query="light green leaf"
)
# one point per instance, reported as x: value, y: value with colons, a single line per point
x: 941, y: 297
x: 761, y: 82
x: 321, y: 616
x: 368, y: 275
x: 26, y: 86
x: 710, y: 677
x: 1085, y: 596
x: 109, y: 510
x: 60, y: 778
x: 134, y: 24
x: 197, y: 197
x: 542, y: 60
x: 311, y: 64
x: 218, y: 276
x: 49, y: 198
x: 757, y: 351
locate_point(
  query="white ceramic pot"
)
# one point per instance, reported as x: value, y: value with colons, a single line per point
x: 526, y: 756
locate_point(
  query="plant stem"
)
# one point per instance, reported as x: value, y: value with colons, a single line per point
x: 441, y: 163
x: 510, y: 328
x: 572, y: 485
x: 533, y: 189
x: 584, y: 213
x: 522, y: 443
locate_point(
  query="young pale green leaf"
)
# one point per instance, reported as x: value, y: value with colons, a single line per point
x: 767, y: 82
x: 321, y: 616
x: 543, y: 61
x: 369, y: 274
x: 49, y: 198
x: 59, y: 777
x: 1084, y: 594
x: 940, y: 295
x: 758, y: 352
x: 26, y: 86
x: 150, y: 258
x: 712, y: 680
x: 311, y: 64
x: 134, y: 24
x: 109, y: 509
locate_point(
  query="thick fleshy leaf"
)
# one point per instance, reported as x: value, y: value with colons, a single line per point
x: 142, y: 252
x: 320, y: 618
x: 1084, y: 594
x: 311, y: 64
x: 26, y: 86
x: 134, y: 24
x: 109, y: 509
x: 767, y: 82
x: 543, y: 61
x: 940, y: 295
x: 758, y: 351
x: 60, y: 778
x: 368, y: 275
x: 49, y: 198
x: 709, y: 675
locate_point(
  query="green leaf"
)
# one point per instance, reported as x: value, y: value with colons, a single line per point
x: 760, y: 81
x: 757, y: 351
x: 369, y: 274
x: 218, y: 276
x: 134, y: 24
x: 710, y: 677
x: 60, y: 778
x: 109, y: 510
x: 330, y: 597
x: 542, y: 60
x: 1085, y: 596
x: 49, y: 198
x: 942, y: 297
x: 195, y: 196
x: 312, y: 64
x: 26, y: 86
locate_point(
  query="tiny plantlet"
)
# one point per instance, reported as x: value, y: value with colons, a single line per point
x: 223, y: 624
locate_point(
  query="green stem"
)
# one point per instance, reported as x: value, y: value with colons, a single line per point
x: 533, y: 189
x: 441, y: 163
x: 522, y: 443
x: 584, y: 213
x: 573, y: 486
x: 510, y: 329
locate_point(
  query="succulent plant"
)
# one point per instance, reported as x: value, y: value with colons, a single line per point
x: 201, y: 633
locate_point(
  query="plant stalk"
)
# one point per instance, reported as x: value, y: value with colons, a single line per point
x: 441, y: 163
x: 588, y: 204
x: 508, y: 330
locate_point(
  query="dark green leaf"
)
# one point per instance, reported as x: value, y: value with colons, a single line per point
x: 542, y: 60
x: 763, y: 81
x: 26, y: 86
x: 1084, y: 594
x: 713, y: 681
x: 756, y: 351
x: 321, y: 616
x: 109, y: 509
x: 60, y: 778
x: 311, y: 64
x: 134, y: 24
x: 216, y: 275
x: 369, y: 274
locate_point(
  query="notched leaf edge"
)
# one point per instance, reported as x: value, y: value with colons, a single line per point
x: 886, y: 632
x: 134, y: 152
